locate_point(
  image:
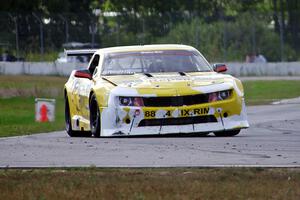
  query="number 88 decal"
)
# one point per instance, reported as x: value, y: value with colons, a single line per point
x: 150, y: 114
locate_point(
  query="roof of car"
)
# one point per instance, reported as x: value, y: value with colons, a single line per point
x: 145, y: 48
x: 157, y: 47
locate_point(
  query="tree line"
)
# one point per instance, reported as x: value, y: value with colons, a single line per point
x: 284, y: 14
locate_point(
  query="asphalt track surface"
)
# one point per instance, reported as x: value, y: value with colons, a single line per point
x: 273, y: 140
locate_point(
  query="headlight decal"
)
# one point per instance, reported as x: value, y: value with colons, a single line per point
x: 131, y: 101
x: 219, y: 96
x: 125, y: 101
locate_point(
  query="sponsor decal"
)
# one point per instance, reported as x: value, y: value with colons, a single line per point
x: 194, y: 112
x: 182, y: 112
x: 169, y: 79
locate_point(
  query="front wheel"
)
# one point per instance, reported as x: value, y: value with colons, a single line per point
x: 227, y: 133
x: 94, y: 117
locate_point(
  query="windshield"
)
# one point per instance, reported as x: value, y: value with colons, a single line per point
x: 154, y: 61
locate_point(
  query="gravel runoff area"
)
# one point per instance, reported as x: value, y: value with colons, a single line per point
x: 272, y: 140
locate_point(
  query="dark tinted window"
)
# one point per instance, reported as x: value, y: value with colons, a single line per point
x: 94, y: 63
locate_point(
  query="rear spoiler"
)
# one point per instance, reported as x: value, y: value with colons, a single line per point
x: 80, y: 52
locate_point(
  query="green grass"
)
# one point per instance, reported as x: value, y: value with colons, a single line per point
x: 264, y: 92
x: 17, y: 117
x: 17, y: 103
x: 163, y: 183
x: 17, y: 94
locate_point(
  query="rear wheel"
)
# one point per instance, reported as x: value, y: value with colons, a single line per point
x: 94, y: 116
x: 68, y: 124
x: 227, y: 133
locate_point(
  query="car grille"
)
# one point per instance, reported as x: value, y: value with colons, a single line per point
x: 178, y: 121
x: 175, y: 101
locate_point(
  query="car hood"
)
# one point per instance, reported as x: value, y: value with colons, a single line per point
x: 173, y: 83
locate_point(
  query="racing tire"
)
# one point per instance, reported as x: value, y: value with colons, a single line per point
x: 68, y: 124
x: 95, y: 117
x: 227, y: 133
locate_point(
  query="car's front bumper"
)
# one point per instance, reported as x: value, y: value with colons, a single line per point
x: 217, y: 116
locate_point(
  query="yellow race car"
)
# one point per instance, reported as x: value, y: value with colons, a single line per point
x: 152, y: 90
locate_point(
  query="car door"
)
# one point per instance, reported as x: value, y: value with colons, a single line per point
x: 87, y: 84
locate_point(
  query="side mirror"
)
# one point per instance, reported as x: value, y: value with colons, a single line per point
x: 219, y: 67
x: 83, y: 74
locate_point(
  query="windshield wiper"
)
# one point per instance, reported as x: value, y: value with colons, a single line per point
x: 148, y: 74
x: 182, y: 73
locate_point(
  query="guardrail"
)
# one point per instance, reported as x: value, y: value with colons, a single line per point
x: 64, y: 69
x: 39, y: 68
x: 264, y: 69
